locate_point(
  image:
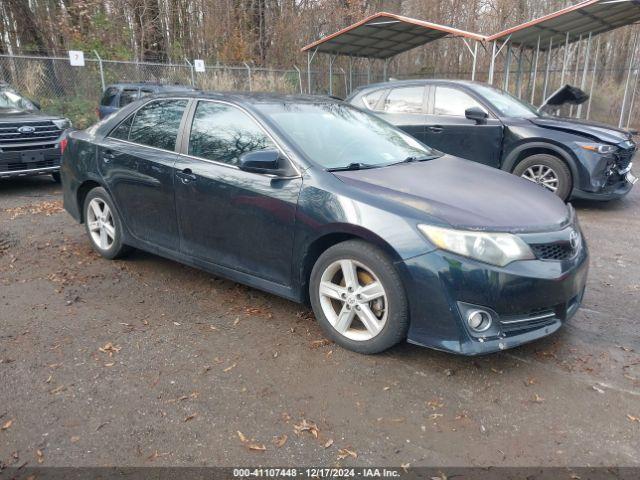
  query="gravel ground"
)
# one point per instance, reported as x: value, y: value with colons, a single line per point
x: 143, y: 361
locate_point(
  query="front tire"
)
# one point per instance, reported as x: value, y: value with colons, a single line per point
x: 103, y: 224
x: 548, y: 171
x: 357, y: 296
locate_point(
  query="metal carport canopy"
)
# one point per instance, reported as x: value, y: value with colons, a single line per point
x: 384, y: 35
x: 569, y: 24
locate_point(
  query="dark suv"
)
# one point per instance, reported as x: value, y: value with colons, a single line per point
x: 569, y: 157
x: 31, y: 142
x: 118, y: 95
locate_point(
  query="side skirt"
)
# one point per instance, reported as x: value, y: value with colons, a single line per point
x: 230, y: 274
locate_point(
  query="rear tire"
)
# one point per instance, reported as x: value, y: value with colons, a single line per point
x: 103, y: 224
x: 548, y: 171
x: 365, y: 309
x: 56, y: 177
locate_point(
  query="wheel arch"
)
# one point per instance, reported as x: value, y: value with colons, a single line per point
x: 337, y: 234
x: 528, y: 149
x: 81, y: 194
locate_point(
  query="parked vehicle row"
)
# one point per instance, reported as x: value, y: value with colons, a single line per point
x: 118, y: 95
x: 31, y: 142
x: 571, y: 158
x: 318, y: 201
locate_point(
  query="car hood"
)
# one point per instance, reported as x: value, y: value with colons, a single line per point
x: 596, y: 131
x: 464, y: 194
x: 13, y: 115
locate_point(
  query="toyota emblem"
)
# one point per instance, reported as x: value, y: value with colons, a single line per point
x: 574, y: 239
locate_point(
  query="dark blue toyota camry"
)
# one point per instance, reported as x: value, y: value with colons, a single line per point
x: 317, y: 201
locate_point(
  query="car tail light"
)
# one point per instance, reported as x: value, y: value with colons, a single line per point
x: 63, y: 145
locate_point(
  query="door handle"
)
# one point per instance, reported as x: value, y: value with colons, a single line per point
x: 435, y: 129
x: 107, y: 156
x: 186, y: 176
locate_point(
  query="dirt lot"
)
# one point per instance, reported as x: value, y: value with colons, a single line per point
x: 147, y: 362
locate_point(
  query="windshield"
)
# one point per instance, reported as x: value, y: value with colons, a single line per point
x: 9, y: 99
x: 335, y: 135
x: 505, y: 104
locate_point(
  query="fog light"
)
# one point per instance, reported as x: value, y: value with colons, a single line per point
x: 478, y: 320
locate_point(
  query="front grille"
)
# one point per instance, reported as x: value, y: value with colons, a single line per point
x: 14, y: 140
x: 624, y: 157
x: 553, y: 251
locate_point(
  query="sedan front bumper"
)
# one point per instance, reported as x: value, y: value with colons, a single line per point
x: 529, y: 299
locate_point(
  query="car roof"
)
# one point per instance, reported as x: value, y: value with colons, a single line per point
x: 155, y: 86
x: 254, y: 97
x: 418, y: 81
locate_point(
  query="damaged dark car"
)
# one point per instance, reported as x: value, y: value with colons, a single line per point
x: 569, y: 157
x: 317, y: 201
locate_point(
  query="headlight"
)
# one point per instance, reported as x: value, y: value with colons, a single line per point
x: 62, y: 123
x: 600, y: 148
x: 494, y: 248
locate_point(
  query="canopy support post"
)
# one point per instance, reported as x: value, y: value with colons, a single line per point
x: 583, y: 83
x: 332, y: 58
x: 493, y: 63
x: 299, y: 78
x: 350, y: 74
x: 310, y: 57
x: 626, y: 85
x: 344, y: 74
x: 535, y: 72
x: 368, y: 71
x: 633, y: 99
x: 384, y: 69
x: 507, y: 69
x: 593, y: 77
x: 575, y: 74
x: 474, y: 55
x: 519, y: 77
x: 546, y: 72
x: 566, y: 59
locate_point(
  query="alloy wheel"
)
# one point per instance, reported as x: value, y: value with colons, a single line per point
x: 101, y: 224
x: 542, y: 175
x: 353, y: 300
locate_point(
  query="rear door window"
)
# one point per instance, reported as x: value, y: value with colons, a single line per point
x: 453, y: 102
x: 405, y: 100
x: 109, y: 94
x: 157, y: 124
x: 128, y: 95
x: 222, y: 133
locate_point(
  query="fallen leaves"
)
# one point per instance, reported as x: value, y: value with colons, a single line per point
x: 306, y: 426
x: 42, y: 208
x: 345, y: 452
x: 39, y: 456
x: 6, y: 425
x: 537, y: 399
x: 280, y: 440
x: 597, y: 389
x: 319, y: 343
x: 250, y: 444
x: 110, y: 349
x: 633, y: 418
x: 328, y: 443
x: 190, y: 417
x: 58, y: 390
x: 229, y: 368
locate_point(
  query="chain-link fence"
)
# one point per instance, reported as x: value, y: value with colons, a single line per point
x: 75, y: 91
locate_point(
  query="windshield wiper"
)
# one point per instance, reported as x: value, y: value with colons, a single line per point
x: 353, y: 166
x: 415, y: 159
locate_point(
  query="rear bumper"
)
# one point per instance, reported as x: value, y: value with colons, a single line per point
x: 528, y: 300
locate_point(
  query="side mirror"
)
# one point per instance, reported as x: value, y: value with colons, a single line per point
x: 476, y: 114
x: 264, y: 161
